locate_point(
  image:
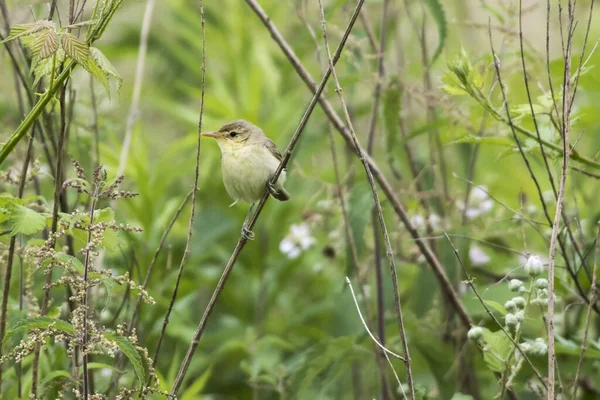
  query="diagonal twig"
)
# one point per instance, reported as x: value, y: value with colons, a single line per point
x: 378, y: 209
x: 390, y: 193
x: 242, y: 240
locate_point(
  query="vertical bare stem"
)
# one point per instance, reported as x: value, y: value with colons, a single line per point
x: 378, y: 208
x: 566, y: 128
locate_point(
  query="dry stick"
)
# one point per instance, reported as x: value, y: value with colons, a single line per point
x: 388, y: 245
x: 398, y: 207
x: 593, y: 298
x: 489, y: 312
x: 137, y: 86
x: 11, y: 248
x: 242, y: 240
x: 371, y: 138
x: 566, y: 107
x: 190, y: 230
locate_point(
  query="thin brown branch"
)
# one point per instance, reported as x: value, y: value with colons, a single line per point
x: 379, y: 211
x: 242, y: 240
x: 390, y: 193
x: 566, y: 126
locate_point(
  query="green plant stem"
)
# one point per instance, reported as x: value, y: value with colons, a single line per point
x: 483, y: 101
x: 517, y: 337
x: 36, y: 111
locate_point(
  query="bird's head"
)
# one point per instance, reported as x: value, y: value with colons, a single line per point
x: 236, y: 134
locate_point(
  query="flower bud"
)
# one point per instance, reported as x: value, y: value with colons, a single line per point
x: 510, y: 306
x: 511, y: 320
x: 539, y: 347
x: 523, y: 290
x: 514, y: 285
x: 475, y: 333
x: 534, y: 266
x: 541, y: 283
x: 519, y: 302
x: 520, y: 316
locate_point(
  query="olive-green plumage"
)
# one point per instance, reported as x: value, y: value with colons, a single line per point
x: 249, y: 160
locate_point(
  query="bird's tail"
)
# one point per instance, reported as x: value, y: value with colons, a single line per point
x: 281, y: 194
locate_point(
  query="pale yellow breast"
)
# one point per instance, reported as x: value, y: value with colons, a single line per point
x: 246, y: 171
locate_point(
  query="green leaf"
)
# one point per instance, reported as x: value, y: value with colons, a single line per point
x: 496, y: 306
x: 26, y: 221
x: 75, y: 48
x: 102, y: 69
x: 460, y: 396
x: 43, y: 44
x: 196, y: 388
x: 495, y: 354
x: 494, y: 140
x: 39, y: 323
x: 44, y: 67
x: 28, y: 29
x: 55, y: 374
x: 132, y: 354
x: 437, y: 11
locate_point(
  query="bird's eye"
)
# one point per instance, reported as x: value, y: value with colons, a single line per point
x: 233, y: 134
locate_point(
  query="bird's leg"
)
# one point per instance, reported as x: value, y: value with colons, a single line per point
x: 274, y: 192
x: 247, y: 233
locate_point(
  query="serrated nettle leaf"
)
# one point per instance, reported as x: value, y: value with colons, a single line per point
x: 132, y: 354
x: 75, y: 48
x: 437, y: 11
x: 26, y: 221
x: 21, y: 30
x: 100, y: 63
x: 44, y: 44
x: 39, y: 323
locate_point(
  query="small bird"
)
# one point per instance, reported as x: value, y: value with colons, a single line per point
x: 249, y: 160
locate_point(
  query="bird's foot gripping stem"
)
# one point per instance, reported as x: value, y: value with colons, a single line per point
x: 247, y: 234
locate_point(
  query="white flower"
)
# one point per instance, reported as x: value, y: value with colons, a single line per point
x: 475, y: 333
x: 478, y: 256
x: 511, y: 320
x: 534, y: 265
x: 510, y: 306
x: 514, y: 285
x: 435, y: 221
x: 417, y: 221
x: 519, y: 302
x: 296, y: 241
x: 541, y: 283
x: 479, y: 202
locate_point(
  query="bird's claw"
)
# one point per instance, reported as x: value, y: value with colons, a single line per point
x: 272, y: 189
x: 247, y: 234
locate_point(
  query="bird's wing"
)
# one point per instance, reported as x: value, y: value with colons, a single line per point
x: 272, y: 147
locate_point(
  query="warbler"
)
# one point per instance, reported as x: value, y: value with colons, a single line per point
x: 249, y: 160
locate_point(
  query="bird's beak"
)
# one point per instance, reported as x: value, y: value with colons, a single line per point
x: 209, y: 134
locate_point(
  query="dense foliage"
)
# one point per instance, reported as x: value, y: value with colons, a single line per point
x: 104, y: 259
